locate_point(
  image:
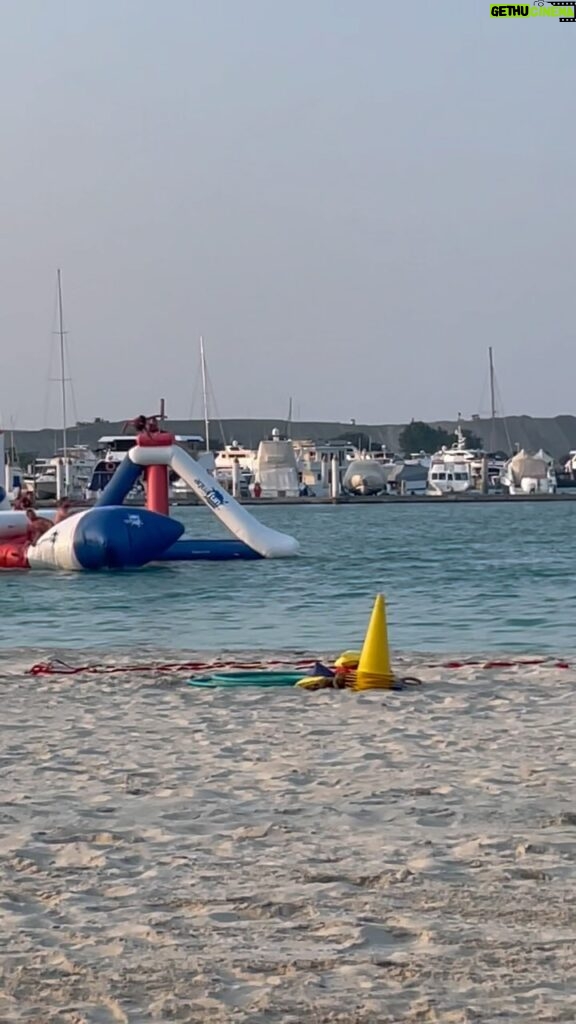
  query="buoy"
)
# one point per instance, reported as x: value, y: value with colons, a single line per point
x: 374, y: 668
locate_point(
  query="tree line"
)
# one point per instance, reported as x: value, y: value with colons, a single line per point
x: 417, y: 436
x: 421, y: 437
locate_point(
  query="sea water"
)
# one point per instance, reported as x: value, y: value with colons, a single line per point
x: 462, y: 578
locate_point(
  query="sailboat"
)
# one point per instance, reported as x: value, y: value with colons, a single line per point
x: 232, y: 464
x: 492, y: 446
x: 525, y: 472
x: 68, y: 472
x: 62, y: 334
x: 191, y: 442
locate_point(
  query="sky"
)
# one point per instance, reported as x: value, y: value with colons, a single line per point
x: 349, y: 199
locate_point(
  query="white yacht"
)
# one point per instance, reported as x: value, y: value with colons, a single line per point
x: 314, y: 461
x: 227, y: 457
x: 450, y: 469
x: 110, y: 451
x: 231, y: 453
x: 459, y: 469
x: 525, y: 473
x: 68, y: 472
x: 275, y: 469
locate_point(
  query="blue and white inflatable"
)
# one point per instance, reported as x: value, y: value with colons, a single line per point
x: 113, y: 536
x: 105, y: 538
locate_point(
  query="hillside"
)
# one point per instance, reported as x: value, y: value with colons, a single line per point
x: 556, y: 435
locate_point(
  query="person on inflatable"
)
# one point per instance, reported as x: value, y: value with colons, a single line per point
x: 37, y: 526
x: 23, y: 502
x: 143, y: 425
x: 64, y: 509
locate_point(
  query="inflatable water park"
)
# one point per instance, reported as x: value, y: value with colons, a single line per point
x: 111, y: 535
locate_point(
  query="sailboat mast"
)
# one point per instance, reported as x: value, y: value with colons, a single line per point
x: 492, y: 390
x: 492, y: 399
x: 61, y: 333
x: 205, y: 393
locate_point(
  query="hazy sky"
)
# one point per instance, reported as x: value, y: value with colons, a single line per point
x: 349, y: 199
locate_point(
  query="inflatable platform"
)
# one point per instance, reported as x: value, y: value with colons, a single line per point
x: 112, y: 536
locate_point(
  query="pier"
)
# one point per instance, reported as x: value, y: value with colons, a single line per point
x: 344, y: 499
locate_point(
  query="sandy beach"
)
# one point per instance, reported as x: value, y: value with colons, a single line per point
x: 169, y: 854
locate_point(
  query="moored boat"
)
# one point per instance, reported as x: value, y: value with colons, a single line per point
x: 527, y: 473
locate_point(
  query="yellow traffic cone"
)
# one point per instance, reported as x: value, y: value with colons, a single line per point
x: 374, y: 668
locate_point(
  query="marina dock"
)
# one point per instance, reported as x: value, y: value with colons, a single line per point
x: 466, y: 498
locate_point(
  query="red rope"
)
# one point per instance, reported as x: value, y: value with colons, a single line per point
x: 57, y: 667
x: 521, y: 662
x: 62, y: 668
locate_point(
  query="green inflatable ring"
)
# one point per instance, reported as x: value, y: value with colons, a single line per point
x: 233, y: 679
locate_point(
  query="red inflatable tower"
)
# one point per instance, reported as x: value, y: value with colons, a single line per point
x: 156, y: 476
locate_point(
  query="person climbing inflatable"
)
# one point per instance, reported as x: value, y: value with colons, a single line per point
x: 37, y: 526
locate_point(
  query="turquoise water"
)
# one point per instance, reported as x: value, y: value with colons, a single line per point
x: 457, y: 578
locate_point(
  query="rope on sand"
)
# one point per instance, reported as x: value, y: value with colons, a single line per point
x: 517, y: 662
x: 58, y: 667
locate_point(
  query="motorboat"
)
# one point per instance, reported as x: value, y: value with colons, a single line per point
x: 408, y: 477
x: 365, y: 476
x: 368, y: 472
x: 527, y: 473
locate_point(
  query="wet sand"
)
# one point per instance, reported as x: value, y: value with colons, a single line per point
x: 170, y: 854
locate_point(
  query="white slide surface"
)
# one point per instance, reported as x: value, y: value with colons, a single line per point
x: 238, y: 520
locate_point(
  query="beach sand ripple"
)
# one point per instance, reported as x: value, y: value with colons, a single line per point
x: 170, y: 854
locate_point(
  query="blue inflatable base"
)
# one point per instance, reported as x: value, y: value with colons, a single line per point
x: 184, y: 550
x: 121, y: 538
x: 208, y: 551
